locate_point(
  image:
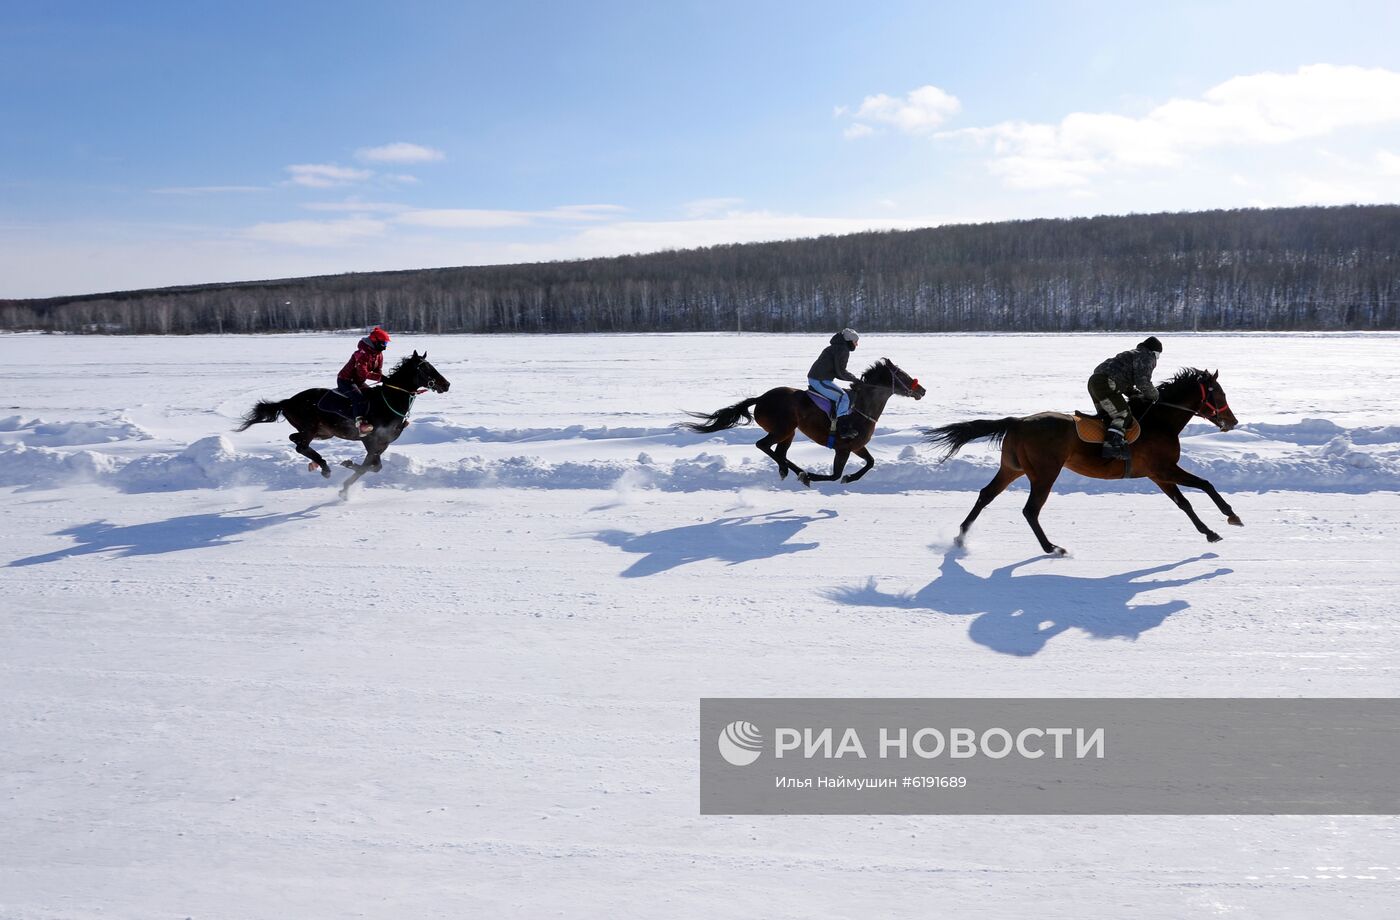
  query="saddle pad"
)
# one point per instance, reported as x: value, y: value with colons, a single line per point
x: 822, y: 402
x: 1090, y: 428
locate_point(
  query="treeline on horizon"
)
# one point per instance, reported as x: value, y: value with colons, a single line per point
x: 1281, y: 269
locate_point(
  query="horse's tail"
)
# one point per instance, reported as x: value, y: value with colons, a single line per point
x: 727, y: 417
x: 264, y: 411
x: 953, y: 438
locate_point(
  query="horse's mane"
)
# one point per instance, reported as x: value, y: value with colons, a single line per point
x: 403, y: 361
x: 1187, y: 376
x: 883, y: 366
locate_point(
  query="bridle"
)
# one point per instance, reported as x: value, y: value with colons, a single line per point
x: 412, y: 395
x: 907, y: 388
x: 1215, y: 411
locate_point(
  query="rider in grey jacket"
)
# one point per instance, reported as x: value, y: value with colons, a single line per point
x: 829, y: 367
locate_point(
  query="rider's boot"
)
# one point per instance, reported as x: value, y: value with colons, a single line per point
x: 364, y: 426
x: 846, y: 427
x: 1115, y: 447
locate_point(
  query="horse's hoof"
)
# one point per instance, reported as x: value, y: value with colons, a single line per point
x: 348, y: 464
x: 325, y: 472
x: 846, y: 479
x: 1058, y: 551
x: 1235, y: 520
x: 311, y: 467
x: 1213, y: 537
x: 959, y: 542
x: 804, y: 479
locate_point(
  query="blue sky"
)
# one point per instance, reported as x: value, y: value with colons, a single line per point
x: 144, y: 144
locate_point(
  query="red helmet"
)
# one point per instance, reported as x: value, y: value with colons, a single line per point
x: 379, y: 335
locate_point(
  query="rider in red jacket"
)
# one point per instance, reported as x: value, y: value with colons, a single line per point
x: 366, y: 364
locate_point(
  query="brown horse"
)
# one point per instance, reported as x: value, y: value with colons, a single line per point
x: 783, y: 411
x: 1039, y: 446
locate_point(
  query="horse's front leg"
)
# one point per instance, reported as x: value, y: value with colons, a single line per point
x: 371, y: 464
x: 864, y: 454
x: 837, y: 466
x: 1196, y: 482
x: 1174, y: 493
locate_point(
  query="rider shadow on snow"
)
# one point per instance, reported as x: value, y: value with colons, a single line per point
x: 189, y: 531
x: 729, y: 539
x: 1019, y: 614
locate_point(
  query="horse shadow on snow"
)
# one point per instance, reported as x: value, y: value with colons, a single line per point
x: 730, y: 539
x: 188, y: 531
x: 1019, y: 614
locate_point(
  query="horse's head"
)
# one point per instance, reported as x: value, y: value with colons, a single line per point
x: 1193, y: 387
x: 424, y: 375
x: 1214, y: 405
x: 885, y: 373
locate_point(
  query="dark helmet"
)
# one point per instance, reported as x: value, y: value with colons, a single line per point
x: 1151, y: 343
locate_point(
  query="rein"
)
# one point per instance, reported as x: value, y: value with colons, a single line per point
x: 411, y: 397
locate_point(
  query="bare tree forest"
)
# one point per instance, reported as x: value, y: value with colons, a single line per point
x: 1281, y: 269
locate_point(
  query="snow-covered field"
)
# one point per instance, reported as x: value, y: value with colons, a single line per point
x: 472, y: 689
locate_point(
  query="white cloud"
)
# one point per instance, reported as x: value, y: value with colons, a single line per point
x: 356, y: 206
x: 325, y: 175
x: 463, y: 218
x: 622, y: 237
x: 480, y: 219
x: 921, y: 111
x: 322, y: 233
x: 1254, y: 110
x: 710, y: 207
x: 400, y: 152
x: 582, y: 212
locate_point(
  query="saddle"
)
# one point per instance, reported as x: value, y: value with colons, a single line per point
x: 336, y: 403
x: 1091, y: 428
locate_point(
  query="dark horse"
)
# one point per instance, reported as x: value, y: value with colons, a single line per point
x: 782, y: 411
x: 1039, y: 446
x: 389, y: 405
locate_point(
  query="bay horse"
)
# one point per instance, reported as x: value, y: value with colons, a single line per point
x: 389, y: 405
x: 783, y: 411
x: 1040, y: 446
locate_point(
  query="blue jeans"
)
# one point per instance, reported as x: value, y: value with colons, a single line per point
x: 831, y: 391
x: 358, y: 403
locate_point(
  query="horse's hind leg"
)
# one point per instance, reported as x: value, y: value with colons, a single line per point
x: 302, y: 440
x: 1174, y: 493
x: 1004, y: 477
x: 781, y: 449
x: 776, y: 449
x: 1183, y: 478
x: 1040, y: 491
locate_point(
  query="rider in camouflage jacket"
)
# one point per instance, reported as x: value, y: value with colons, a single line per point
x: 1126, y: 374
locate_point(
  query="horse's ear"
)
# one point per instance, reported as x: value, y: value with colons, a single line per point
x: 1216, y: 374
x: 415, y: 354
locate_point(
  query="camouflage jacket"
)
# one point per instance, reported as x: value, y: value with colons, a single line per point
x: 1132, y: 371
